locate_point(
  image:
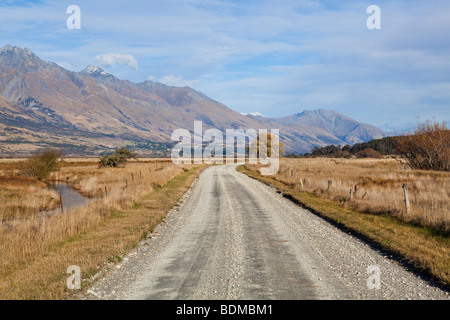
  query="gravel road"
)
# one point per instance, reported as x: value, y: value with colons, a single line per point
x: 235, y: 238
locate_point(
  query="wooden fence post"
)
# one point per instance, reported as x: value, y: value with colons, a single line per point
x: 351, y: 194
x: 330, y: 183
x: 60, y: 200
x: 106, y: 191
x: 132, y: 177
x: 406, y: 199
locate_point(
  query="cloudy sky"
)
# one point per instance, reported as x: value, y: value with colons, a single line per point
x: 273, y: 57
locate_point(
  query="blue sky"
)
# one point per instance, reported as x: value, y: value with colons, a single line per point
x: 275, y: 57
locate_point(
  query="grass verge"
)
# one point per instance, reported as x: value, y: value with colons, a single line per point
x: 44, y: 277
x: 424, y: 249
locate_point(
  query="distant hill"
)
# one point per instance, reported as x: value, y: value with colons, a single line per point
x: 342, y: 127
x: 92, y: 111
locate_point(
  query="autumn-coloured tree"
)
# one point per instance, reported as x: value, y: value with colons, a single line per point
x: 342, y: 154
x: 428, y: 148
x: 262, y: 137
x: 369, y: 153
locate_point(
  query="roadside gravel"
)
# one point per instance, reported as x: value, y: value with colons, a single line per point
x: 234, y: 238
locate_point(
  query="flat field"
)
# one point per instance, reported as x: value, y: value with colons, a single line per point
x: 376, y: 187
x: 139, y: 194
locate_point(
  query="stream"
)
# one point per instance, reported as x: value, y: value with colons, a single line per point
x: 70, y: 197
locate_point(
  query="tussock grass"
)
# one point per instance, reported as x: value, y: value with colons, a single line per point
x: 376, y: 185
x: 36, y: 252
x: 426, y: 248
x: 23, y: 197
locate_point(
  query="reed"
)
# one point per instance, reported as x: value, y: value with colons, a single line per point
x: 24, y: 234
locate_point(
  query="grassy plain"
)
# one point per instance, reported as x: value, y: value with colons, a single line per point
x: 126, y: 203
x: 377, y: 187
x: 377, y: 210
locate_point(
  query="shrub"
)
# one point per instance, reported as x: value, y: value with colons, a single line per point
x: 41, y: 164
x: 342, y: 154
x: 428, y: 148
x: 369, y: 153
x: 118, y: 159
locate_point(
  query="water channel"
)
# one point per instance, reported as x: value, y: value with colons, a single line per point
x: 70, y: 197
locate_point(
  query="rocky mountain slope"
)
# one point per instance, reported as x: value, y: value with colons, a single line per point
x: 86, y: 112
x: 342, y: 127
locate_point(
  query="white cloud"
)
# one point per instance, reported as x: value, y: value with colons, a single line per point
x: 177, y: 81
x: 277, y: 58
x: 253, y: 114
x: 110, y: 59
x: 66, y: 65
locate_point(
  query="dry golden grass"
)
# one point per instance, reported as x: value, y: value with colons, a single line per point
x: 113, y: 192
x: 378, y: 187
x: 91, y: 180
x: 22, y: 197
x: 43, y: 276
x: 427, y: 249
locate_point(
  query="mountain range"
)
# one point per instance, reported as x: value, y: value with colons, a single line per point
x: 92, y: 111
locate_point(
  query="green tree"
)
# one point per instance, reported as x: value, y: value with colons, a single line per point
x: 119, y: 158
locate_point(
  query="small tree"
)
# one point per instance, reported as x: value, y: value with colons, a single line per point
x: 428, y: 148
x: 119, y: 158
x: 41, y: 164
x: 342, y: 154
x: 369, y: 153
x: 268, y: 138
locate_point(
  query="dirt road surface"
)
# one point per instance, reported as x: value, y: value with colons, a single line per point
x: 235, y: 238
